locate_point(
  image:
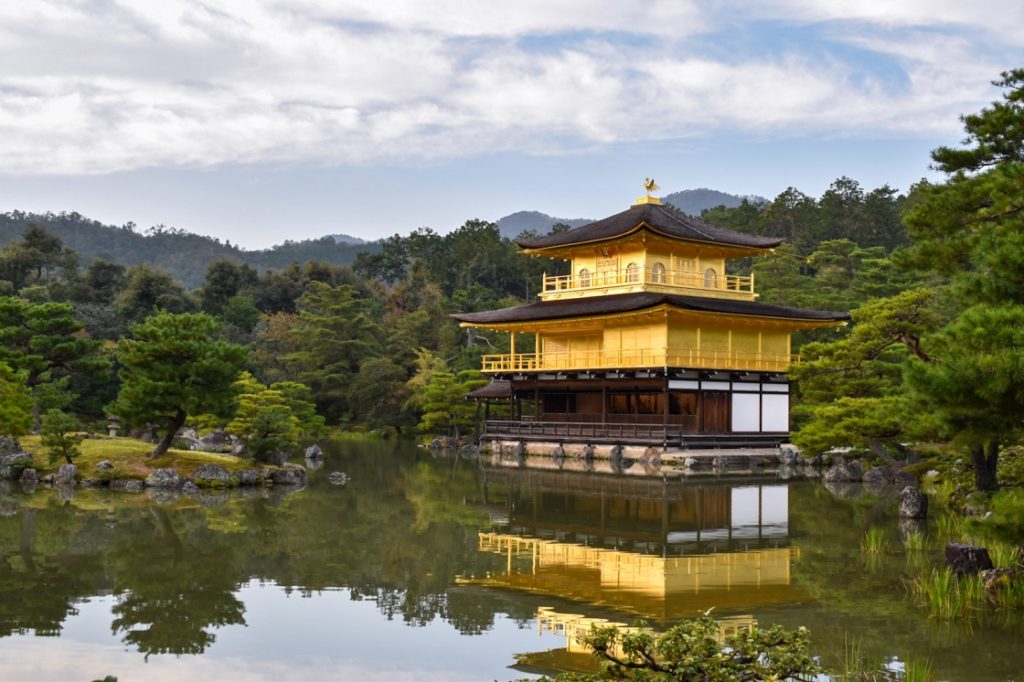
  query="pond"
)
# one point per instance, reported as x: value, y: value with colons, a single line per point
x: 439, y: 567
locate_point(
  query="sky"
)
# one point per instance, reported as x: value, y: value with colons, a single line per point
x: 259, y: 121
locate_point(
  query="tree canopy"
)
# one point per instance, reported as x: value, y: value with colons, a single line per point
x: 172, y: 366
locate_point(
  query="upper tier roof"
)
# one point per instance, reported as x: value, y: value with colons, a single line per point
x: 657, y: 219
x: 625, y: 303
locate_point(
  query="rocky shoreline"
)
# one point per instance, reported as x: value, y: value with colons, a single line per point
x: 20, y: 467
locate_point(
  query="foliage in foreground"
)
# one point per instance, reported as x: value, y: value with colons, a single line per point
x: 15, y: 403
x: 695, y: 651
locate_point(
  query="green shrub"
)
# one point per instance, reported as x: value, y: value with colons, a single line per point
x: 60, y: 436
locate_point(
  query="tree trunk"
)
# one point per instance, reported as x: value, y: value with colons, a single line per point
x: 985, y: 458
x: 165, y: 442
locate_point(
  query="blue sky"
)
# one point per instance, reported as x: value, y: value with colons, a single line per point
x: 264, y: 120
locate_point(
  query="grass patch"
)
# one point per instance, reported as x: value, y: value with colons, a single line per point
x: 949, y: 596
x: 130, y: 458
x: 918, y: 670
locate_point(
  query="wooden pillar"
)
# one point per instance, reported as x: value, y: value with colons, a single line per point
x: 536, y: 403
x: 666, y: 406
x: 604, y: 402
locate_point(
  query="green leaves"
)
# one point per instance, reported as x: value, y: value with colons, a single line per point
x: 60, y: 436
x: 15, y: 402
x: 702, y: 649
x: 332, y: 334
x: 265, y: 423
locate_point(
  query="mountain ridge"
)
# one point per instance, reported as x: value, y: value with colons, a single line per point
x: 187, y: 255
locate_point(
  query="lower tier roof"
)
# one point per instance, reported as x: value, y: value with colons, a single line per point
x: 625, y: 303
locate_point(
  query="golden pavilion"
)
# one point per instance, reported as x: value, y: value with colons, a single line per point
x: 647, y: 340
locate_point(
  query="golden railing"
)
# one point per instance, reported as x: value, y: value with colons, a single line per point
x: 637, y: 359
x: 689, y: 279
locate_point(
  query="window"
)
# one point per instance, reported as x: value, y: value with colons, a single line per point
x: 710, y: 279
x: 658, y: 273
x: 584, y: 278
x: 632, y: 273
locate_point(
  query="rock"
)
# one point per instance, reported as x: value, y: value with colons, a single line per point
x: 314, y: 452
x: 844, y: 490
x: 252, y: 477
x: 338, y: 478
x: 520, y: 450
x: 212, y: 498
x: 789, y: 454
x: 146, y: 433
x: 91, y: 483
x: 163, y: 495
x: 188, y: 434
x: 104, y: 465
x: 9, y: 445
x: 66, y: 475
x: 996, y: 580
x: 217, y: 441
x: 48, y: 479
x: 469, y: 450
x: 436, y: 444
x: 967, y: 558
x: 881, y: 479
x: 211, y: 476
x: 913, y: 503
x: 651, y: 460
x: 190, y: 488
x: 844, y: 472
x: 29, y: 480
x: 588, y: 453
x: 164, y: 478
x: 12, y: 464
x: 909, y: 527
x: 126, y: 485
x: 291, y: 475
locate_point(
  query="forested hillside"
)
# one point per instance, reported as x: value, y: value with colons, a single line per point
x: 185, y: 255
x: 696, y: 201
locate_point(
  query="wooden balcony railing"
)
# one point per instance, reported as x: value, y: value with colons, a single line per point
x: 688, y: 279
x: 623, y: 432
x: 637, y: 359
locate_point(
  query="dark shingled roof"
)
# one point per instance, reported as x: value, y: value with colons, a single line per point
x: 495, y: 389
x: 624, y: 303
x: 660, y: 220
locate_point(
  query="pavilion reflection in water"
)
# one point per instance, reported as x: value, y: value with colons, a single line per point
x: 659, y: 550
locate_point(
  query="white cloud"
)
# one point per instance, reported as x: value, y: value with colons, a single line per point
x: 88, y: 88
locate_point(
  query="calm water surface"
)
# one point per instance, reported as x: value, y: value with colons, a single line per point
x: 442, y: 568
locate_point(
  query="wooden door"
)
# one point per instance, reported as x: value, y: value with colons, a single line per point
x: 715, y: 412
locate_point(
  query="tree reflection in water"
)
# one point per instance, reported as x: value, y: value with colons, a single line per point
x: 170, y: 593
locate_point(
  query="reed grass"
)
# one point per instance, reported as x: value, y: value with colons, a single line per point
x: 915, y: 541
x: 947, y: 595
x: 1003, y: 554
x: 874, y: 542
x: 950, y: 528
x: 918, y: 670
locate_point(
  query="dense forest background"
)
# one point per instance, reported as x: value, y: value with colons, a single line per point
x: 364, y: 325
